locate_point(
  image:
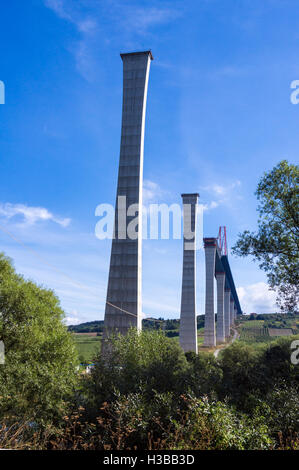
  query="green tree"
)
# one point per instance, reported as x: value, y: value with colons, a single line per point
x: 39, y: 373
x: 276, y: 243
x: 162, y: 423
x: 146, y: 360
x: 241, y: 374
x: 249, y: 373
x: 205, y: 375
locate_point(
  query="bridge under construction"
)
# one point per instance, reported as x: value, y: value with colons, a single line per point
x: 228, y: 305
x: 123, y: 308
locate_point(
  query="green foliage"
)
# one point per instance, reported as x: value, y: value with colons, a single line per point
x: 249, y: 374
x: 276, y: 364
x: 238, y: 364
x: 133, y: 423
x: 147, y: 360
x: 278, y: 317
x: 145, y: 393
x: 96, y: 326
x: 276, y: 243
x: 87, y: 347
x: 205, y: 374
x: 213, y: 425
x: 40, y: 359
x: 154, y: 324
x: 172, y: 333
x: 172, y: 324
x: 200, y: 321
x: 256, y: 331
x: 168, y: 325
x: 281, y: 409
x: 179, y: 424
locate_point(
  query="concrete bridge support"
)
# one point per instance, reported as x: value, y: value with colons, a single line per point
x: 232, y: 309
x: 188, y: 321
x: 220, y: 327
x: 210, y: 257
x: 227, y: 312
x: 124, y: 284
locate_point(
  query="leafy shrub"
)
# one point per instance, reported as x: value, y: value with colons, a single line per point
x: 39, y: 374
x: 164, y: 423
x: 146, y: 361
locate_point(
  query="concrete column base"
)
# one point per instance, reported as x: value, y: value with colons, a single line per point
x: 210, y: 256
x: 220, y: 330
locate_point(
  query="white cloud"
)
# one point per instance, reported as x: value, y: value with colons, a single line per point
x: 30, y: 215
x: 223, y: 194
x: 221, y: 190
x: 230, y: 71
x: 257, y: 298
x: 72, y: 318
x: 150, y: 191
x: 84, y: 59
x: 59, y: 8
x: 153, y: 193
x: 141, y: 19
x: 211, y: 205
x: 87, y: 26
x: 129, y: 22
x: 62, y: 9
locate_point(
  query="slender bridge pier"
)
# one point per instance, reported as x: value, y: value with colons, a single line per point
x: 123, y: 304
x: 188, y: 321
x: 124, y: 296
x: 228, y: 305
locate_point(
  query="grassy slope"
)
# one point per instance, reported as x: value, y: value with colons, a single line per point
x: 251, y: 332
x: 87, y: 346
x: 256, y: 331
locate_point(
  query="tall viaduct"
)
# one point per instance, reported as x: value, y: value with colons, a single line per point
x: 123, y: 308
x: 228, y: 305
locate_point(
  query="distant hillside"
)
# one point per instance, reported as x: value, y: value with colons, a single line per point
x: 174, y: 324
x: 88, y: 327
x: 97, y: 326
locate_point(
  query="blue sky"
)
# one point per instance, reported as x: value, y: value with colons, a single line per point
x: 218, y: 116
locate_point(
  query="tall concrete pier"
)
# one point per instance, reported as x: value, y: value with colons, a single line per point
x: 220, y: 328
x: 227, y: 312
x: 228, y: 305
x: 232, y: 311
x: 123, y: 305
x: 188, y: 321
x: 210, y: 257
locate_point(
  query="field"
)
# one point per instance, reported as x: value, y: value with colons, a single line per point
x: 265, y: 331
x: 200, y: 336
x: 88, y: 345
x: 280, y: 331
x: 252, y: 331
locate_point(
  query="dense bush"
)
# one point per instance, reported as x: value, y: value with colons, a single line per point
x: 144, y: 379
x: 144, y: 394
x: 133, y: 423
x: 39, y: 373
x: 146, y: 361
x: 205, y: 374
